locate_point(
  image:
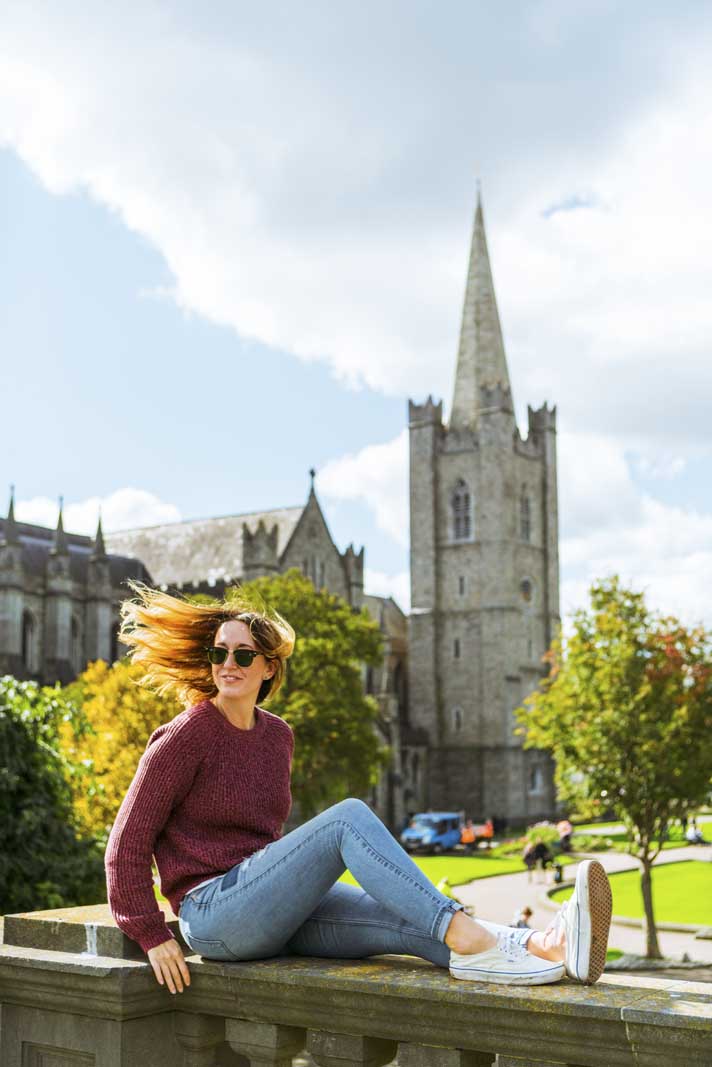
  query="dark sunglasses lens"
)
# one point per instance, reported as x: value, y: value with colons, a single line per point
x: 217, y: 655
x: 244, y: 657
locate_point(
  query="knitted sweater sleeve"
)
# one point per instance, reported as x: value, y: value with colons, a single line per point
x: 164, y: 775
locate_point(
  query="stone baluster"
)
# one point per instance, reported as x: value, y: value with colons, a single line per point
x: 349, y: 1050
x: 264, y: 1044
x: 429, y: 1056
x: 199, y: 1037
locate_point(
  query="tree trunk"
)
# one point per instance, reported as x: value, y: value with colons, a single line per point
x: 652, y: 948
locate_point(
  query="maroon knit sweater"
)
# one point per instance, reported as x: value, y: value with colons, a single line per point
x: 205, y: 796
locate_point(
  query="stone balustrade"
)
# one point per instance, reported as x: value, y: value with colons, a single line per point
x: 73, y: 993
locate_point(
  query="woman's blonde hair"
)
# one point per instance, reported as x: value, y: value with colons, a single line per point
x: 168, y: 636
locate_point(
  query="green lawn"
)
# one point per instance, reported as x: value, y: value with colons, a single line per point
x: 460, y: 869
x: 619, y: 839
x: 682, y: 893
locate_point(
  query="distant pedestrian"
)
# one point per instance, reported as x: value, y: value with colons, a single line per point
x: 565, y: 830
x: 522, y: 917
x: 537, y: 856
x: 693, y: 834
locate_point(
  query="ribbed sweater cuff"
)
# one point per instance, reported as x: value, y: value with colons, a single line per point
x: 156, y: 937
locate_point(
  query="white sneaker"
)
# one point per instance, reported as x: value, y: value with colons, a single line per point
x: 508, y: 963
x: 586, y: 919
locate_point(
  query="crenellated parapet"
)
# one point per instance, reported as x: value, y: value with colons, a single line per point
x: 495, y: 397
x: 459, y: 439
x: 530, y: 447
x: 541, y: 419
x: 425, y: 414
x: 259, y: 550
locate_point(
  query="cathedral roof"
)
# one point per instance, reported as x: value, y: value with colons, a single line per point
x: 386, y: 612
x: 189, y: 553
x: 38, y: 541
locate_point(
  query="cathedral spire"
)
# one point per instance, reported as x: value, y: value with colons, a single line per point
x: 481, y: 361
x: 59, y: 545
x: 99, y: 551
x: 10, y: 534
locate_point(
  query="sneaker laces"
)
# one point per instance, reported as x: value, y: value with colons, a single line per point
x: 557, y: 924
x: 514, y: 950
x: 557, y: 921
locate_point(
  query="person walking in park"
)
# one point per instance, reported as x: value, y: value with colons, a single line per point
x: 209, y: 800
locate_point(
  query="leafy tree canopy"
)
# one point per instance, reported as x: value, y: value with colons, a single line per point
x: 119, y: 717
x: 46, y: 863
x: 337, y: 751
x: 627, y: 714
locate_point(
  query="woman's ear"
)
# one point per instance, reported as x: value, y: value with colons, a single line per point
x: 271, y: 668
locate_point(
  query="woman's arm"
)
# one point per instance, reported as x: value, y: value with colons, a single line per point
x: 165, y: 774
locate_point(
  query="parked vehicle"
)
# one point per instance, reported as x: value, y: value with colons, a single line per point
x: 432, y: 831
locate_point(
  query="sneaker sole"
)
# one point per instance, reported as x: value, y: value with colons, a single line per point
x: 553, y: 974
x: 596, y: 890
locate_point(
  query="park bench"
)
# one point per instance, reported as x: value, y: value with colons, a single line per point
x: 74, y: 992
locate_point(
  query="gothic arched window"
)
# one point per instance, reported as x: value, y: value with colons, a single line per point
x: 536, y: 780
x: 525, y: 516
x: 461, y: 506
x: 29, y: 642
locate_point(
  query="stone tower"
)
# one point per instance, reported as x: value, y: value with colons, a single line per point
x: 484, y: 575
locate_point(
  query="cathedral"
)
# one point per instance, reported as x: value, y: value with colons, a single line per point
x: 484, y: 586
x: 484, y: 577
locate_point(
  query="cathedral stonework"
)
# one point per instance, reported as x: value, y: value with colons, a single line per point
x: 484, y: 578
x: 484, y: 586
x: 60, y: 599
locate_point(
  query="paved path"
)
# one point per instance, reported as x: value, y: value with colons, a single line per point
x: 500, y: 897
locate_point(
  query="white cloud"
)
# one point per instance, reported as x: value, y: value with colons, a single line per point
x: 610, y: 526
x: 296, y: 186
x: 378, y: 475
x: 300, y: 187
x: 660, y: 467
x: 121, y: 510
x: 377, y: 583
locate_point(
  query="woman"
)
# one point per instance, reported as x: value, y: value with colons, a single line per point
x: 209, y: 799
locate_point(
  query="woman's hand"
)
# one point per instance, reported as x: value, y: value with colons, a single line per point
x: 169, y: 965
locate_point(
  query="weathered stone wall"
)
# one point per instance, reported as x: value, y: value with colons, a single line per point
x: 63, y: 1005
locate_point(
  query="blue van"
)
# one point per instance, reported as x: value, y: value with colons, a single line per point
x: 432, y: 831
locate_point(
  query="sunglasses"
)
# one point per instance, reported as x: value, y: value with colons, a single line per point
x: 243, y: 656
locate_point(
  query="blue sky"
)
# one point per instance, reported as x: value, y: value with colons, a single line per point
x: 234, y: 244
x: 125, y: 389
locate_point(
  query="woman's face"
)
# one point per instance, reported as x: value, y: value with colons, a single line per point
x: 232, y: 681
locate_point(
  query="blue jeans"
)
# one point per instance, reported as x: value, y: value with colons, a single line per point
x: 286, y: 898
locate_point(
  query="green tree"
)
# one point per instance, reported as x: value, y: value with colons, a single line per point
x: 46, y: 861
x: 119, y: 716
x: 626, y: 711
x: 337, y: 752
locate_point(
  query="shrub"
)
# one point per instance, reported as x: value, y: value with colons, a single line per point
x: 46, y: 861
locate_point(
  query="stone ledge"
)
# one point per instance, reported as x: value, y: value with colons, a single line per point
x: 88, y: 929
x: 620, y: 1022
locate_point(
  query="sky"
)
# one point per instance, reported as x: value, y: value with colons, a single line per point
x: 234, y: 240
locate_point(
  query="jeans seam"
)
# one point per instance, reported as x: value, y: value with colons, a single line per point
x: 437, y: 921
x: 410, y: 931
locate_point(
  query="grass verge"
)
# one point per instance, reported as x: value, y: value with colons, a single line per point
x: 682, y: 893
